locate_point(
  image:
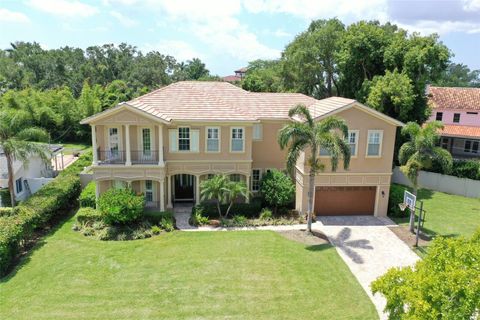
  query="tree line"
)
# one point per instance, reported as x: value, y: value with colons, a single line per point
x: 59, y: 87
x: 380, y: 65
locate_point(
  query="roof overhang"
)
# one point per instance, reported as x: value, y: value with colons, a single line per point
x: 121, y: 107
x: 358, y: 105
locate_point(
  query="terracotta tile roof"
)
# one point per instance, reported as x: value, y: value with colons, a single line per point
x: 203, y: 100
x: 454, y: 98
x: 460, y: 131
x: 232, y: 78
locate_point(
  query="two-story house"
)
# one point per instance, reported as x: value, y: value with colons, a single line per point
x: 163, y: 144
x: 459, y: 110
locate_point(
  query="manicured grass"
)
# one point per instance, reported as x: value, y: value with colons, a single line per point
x: 201, y: 275
x: 448, y: 215
x: 70, y: 148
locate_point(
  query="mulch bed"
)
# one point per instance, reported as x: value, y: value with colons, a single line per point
x: 409, y: 238
x: 314, y: 238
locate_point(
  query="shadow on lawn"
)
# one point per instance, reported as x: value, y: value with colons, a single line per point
x: 38, y: 242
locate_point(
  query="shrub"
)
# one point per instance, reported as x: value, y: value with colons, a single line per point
x: 250, y: 210
x: 88, y: 197
x: 88, y: 216
x: 154, y: 217
x: 277, y: 189
x: 167, y: 224
x: 395, y: 197
x: 7, y: 211
x: 198, y: 219
x: 266, y: 214
x: 5, y: 197
x: 120, y: 206
x: 156, y: 230
x: 469, y: 169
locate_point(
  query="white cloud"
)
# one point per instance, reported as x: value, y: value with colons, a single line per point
x: 426, y: 27
x: 180, y: 50
x: 124, y: 20
x: 13, y: 16
x: 281, y: 33
x: 64, y: 8
x: 471, y: 5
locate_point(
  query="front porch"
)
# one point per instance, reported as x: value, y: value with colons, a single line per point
x: 461, y: 147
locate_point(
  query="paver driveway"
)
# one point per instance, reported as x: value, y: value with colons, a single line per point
x: 368, y: 248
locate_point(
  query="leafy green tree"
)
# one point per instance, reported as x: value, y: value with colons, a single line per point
x: 17, y: 138
x: 263, y: 76
x: 420, y: 152
x: 214, y: 189
x: 444, y: 285
x: 459, y: 75
x: 393, y: 95
x: 277, y: 189
x: 233, y: 191
x: 309, y: 136
x: 196, y: 69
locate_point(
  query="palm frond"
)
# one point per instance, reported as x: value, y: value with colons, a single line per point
x: 303, y: 112
x: 411, y: 129
x: 33, y: 134
x: 405, y: 152
x: 444, y: 158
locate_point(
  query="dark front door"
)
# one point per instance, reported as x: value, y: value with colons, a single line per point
x: 184, y: 187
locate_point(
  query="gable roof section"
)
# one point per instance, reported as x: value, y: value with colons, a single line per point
x: 222, y: 101
x: 450, y: 130
x: 454, y: 98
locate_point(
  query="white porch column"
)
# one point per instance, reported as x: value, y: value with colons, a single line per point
x: 197, y: 189
x: 247, y: 181
x: 97, y: 193
x: 169, y: 192
x: 128, y: 161
x: 160, y: 145
x: 94, y: 145
x: 162, y: 194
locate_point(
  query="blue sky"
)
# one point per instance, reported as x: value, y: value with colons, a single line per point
x: 226, y: 34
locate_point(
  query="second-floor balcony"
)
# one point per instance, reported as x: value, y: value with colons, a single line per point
x: 120, y: 157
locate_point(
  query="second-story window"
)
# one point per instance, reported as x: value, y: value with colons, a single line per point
x: 184, y: 139
x: 146, y: 142
x: 213, y: 139
x: 456, y: 117
x: 257, y: 131
x: 353, y: 142
x: 374, y: 146
x: 238, y: 138
x: 439, y: 116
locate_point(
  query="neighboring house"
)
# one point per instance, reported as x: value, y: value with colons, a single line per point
x: 459, y: 110
x: 163, y: 144
x: 238, y: 76
x: 27, y: 179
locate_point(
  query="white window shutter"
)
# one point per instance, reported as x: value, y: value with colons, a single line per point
x: 172, y: 138
x: 195, y: 134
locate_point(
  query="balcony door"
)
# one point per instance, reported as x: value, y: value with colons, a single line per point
x: 113, y: 144
x: 146, y: 143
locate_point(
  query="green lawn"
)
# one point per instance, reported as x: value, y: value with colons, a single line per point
x: 70, y: 148
x: 448, y: 215
x: 209, y: 275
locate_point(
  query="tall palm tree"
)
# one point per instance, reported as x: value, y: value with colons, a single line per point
x: 306, y: 134
x: 214, y: 189
x: 420, y: 152
x: 233, y: 191
x: 17, y: 142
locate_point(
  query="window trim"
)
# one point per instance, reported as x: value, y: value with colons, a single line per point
x: 459, y: 117
x: 441, y: 116
x: 189, y: 139
x: 144, y: 190
x: 261, y: 132
x: 379, y: 148
x: 140, y: 139
x: 219, y: 139
x: 120, y: 137
x: 21, y: 186
x: 259, y: 179
x: 357, y: 137
x: 231, y: 140
x: 470, y: 150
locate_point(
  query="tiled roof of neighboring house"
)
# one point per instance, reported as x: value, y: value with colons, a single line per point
x: 454, y: 98
x: 244, y: 69
x: 222, y: 101
x: 232, y: 78
x: 460, y: 131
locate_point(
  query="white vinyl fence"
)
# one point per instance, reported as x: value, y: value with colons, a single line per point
x: 441, y: 182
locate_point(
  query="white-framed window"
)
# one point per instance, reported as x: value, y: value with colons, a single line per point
x: 184, y: 139
x: 471, y: 146
x: 146, y: 142
x: 212, y: 139
x: 323, y: 152
x: 257, y: 131
x: 119, y: 184
x: 235, y: 177
x: 113, y: 143
x: 148, y: 191
x: 256, y: 177
x: 352, y: 140
x: 374, y: 143
x: 19, y: 185
x: 238, y: 139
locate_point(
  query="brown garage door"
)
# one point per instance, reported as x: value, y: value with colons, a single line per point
x: 337, y: 201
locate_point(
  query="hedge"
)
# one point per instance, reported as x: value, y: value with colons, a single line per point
x: 249, y: 210
x: 469, y: 169
x: 52, y: 201
x: 88, y: 197
x: 395, y: 197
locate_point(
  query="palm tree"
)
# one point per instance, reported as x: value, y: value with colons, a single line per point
x: 298, y: 136
x: 420, y: 152
x: 214, y: 189
x: 233, y: 191
x: 17, y: 142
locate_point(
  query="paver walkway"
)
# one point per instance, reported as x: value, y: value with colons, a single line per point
x: 365, y: 243
x: 369, y: 249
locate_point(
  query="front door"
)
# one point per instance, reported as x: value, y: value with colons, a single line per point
x: 183, y: 187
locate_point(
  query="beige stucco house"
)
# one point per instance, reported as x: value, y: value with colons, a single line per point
x: 166, y: 142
